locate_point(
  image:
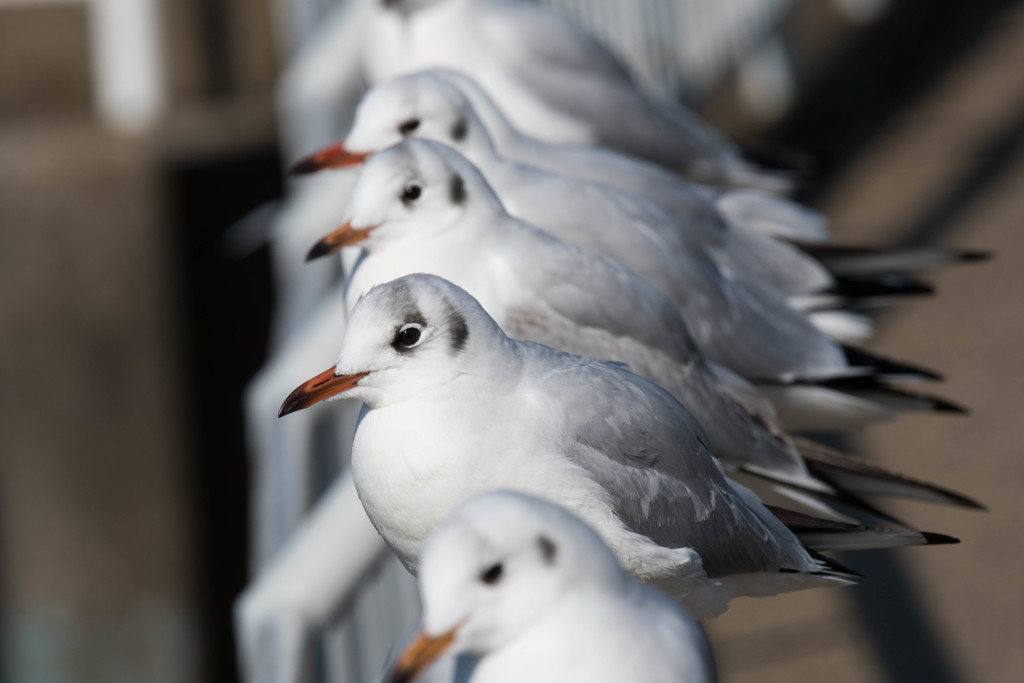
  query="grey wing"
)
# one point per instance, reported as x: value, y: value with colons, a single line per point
x: 752, y: 330
x: 644, y: 448
x: 593, y: 291
x: 621, y: 116
x: 580, y: 303
x: 550, y: 39
x: 577, y: 73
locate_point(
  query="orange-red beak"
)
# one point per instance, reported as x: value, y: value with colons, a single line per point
x: 323, y: 386
x: 418, y: 656
x: 344, y: 236
x: 331, y: 156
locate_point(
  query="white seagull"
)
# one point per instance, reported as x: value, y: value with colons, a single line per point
x: 454, y: 407
x: 429, y: 106
x: 420, y: 206
x: 527, y: 173
x: 533, y: 592
x: 554, y: 80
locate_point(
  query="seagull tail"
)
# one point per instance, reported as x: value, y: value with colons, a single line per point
x: 872, y: 291
x: 858, y: 262
x: 887, y: 369
x: 766, y: 164
x: 822, y: 535
x: 847, y: 403
x: 857, y: 477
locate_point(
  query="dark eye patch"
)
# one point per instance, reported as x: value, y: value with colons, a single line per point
x: 548, y: 549
x: 459, y: 129
x: 457, y: 189
x: 492, y: 574
x: 408, y: 127
x: 459, y: 330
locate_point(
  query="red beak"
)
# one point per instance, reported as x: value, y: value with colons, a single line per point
x: 344, y: 236
x: 419, y: 655
x: 323, y: 386
x: 331, y: 156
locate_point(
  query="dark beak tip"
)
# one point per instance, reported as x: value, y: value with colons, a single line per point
x: 321, y: 248
x: 305, y: 166
x: 293, y: 403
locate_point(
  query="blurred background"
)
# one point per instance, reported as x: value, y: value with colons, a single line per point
x: 134, y: 133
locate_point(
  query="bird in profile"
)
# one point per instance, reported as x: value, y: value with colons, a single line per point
x: 454, y: 407
x: 421, y: 207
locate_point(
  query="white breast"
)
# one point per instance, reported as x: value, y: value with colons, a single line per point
x: 413, y: 462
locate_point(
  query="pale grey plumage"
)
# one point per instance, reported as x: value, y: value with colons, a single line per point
x: 628, y: 435
x: 442, y: 425
x: 553, y: 78
x: 751, y: 330
x: 542, y: 289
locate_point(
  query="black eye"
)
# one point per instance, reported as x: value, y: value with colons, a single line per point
x: 411, y: 193
x: 492, y: 574
x: 408, y: 336
x: 409, y: 126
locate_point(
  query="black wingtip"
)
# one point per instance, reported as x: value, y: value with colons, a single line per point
x: 932, y: 538
x: 969, y: 503
x: 886, y: 367
x: 773, y: 157
x: 935, y: 403
x: 941, y: 405
x: 831, y: 468
x: 834, y: 566
x: 975, y: 256
x: 886, y: 285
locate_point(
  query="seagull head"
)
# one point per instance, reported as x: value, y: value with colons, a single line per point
x: 495, y: 568
x: 404, y: 337
x: 423, y: 105
x: 411, y: 191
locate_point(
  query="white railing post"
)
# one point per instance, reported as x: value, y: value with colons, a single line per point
x: 127, y: 62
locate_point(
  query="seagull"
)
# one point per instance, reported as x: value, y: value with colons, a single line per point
x: 754, y: 332
x: 767, y: 213
x: 532, y: 591
x: 454, y: 407
x: 694, y: 241
x: 432, y: 107
x: 732, y: 226
x: 745, y: 209
x: 421, y: 206
x: 555, y: 80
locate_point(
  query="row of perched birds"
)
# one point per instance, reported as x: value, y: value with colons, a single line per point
x: 563, y: 287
